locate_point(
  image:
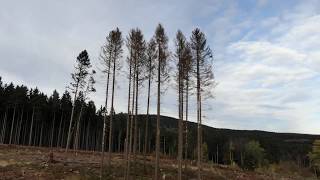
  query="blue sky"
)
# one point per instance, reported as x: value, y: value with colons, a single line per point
x: 266, y: 53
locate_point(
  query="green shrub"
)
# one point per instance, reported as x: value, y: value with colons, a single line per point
x: 253, y: 156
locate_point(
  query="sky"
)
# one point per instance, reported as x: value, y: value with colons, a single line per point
x: 266, y: 53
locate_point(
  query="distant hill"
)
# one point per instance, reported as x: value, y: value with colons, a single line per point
x: 278, y: 146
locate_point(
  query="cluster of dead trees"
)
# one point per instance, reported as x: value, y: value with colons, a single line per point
x: 146, y: 62
x: 150, y: 61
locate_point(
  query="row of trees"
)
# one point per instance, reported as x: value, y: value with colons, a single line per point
x: 148, y: 60
x: 40, y: 120
x: 75, y: 123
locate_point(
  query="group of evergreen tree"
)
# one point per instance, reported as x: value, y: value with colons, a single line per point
x: 29, y: 117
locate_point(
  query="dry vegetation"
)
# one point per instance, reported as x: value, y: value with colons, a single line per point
x: 21, y: 162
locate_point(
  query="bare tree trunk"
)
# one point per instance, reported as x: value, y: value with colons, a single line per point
x: 87, y: 136
x: 147, y: 121
x: 71, y: 118
x: 4, y: 127
x: 105, y: 120
x: 20, y: 126
x: 136, y: 114
x: 76, y: 139
x: 131, y: 125
x: 41, y: 130
x: 52, y: 133
x: 198, y: 119
x: 128, y: 126
x: 12, y: 125
x: 59, y: 132
x: 217, y: 153
x: 180, y: 120
x: 31, y: 128
x: 139, y: 141
x: 112, y: 111
x: 158, y: 124
x: 119, y: 140
x: 186, y: 121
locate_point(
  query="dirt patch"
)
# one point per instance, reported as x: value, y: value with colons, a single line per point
x: 29, y: 163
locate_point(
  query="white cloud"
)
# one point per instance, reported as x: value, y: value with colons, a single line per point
x: 268, y: 78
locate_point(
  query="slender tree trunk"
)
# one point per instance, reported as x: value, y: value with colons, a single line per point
x: 180, y: 122
x: 31, y: 128
x: 71, y: 117
x: 131, y: 124
x: 4, y: 127
x: 52, y: 133
x: 186, y: 121
x: 119, y: 140
x: 20, y: 126
x: 158, y: 124
x: 41, y: 130
x: 198, y: 120
x: 112, y: 111
x: 76, y: 139
x: 136, y: 113
x: 59, y: 132
x: 128, y: 126
x: 87, y: 136
x: 105, y: 120
x: 24, y: 132
x: 139, y: 141
x: 12, y: 125
x: 147, y: 120
x: 63, y: 135
x: 217, y: 153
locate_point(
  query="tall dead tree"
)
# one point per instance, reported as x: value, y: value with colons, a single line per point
x: 117, y: 41
x: 180, y: 43
x: 137, y: 46
x: 151, y: 56
x: 106, y: 59
x: 161, y: 40
x: 204, y: 81
x: 127, y: 148
x: 78, y: 82
x: 187, y: 69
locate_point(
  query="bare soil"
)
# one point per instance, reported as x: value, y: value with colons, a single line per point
x: 34, y: 163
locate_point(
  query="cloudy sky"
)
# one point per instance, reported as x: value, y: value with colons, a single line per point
x: 266, y: 53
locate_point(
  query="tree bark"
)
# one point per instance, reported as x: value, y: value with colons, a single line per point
x: 112, y: 110
x: 31, y: 128
x: 136, y: 112
x: 198, y: 118
x: 52, y: 133
x: 12, y: 125
x: 76, y: 139
x: 131, y: 124
x: 105, y: 120
x: 4, y: 127
x: 59, y: 132
x: 186, y: 121
x: 147, y: 120
x: 128, y: 125
x: 19, y: 128
x: 158, y: 122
